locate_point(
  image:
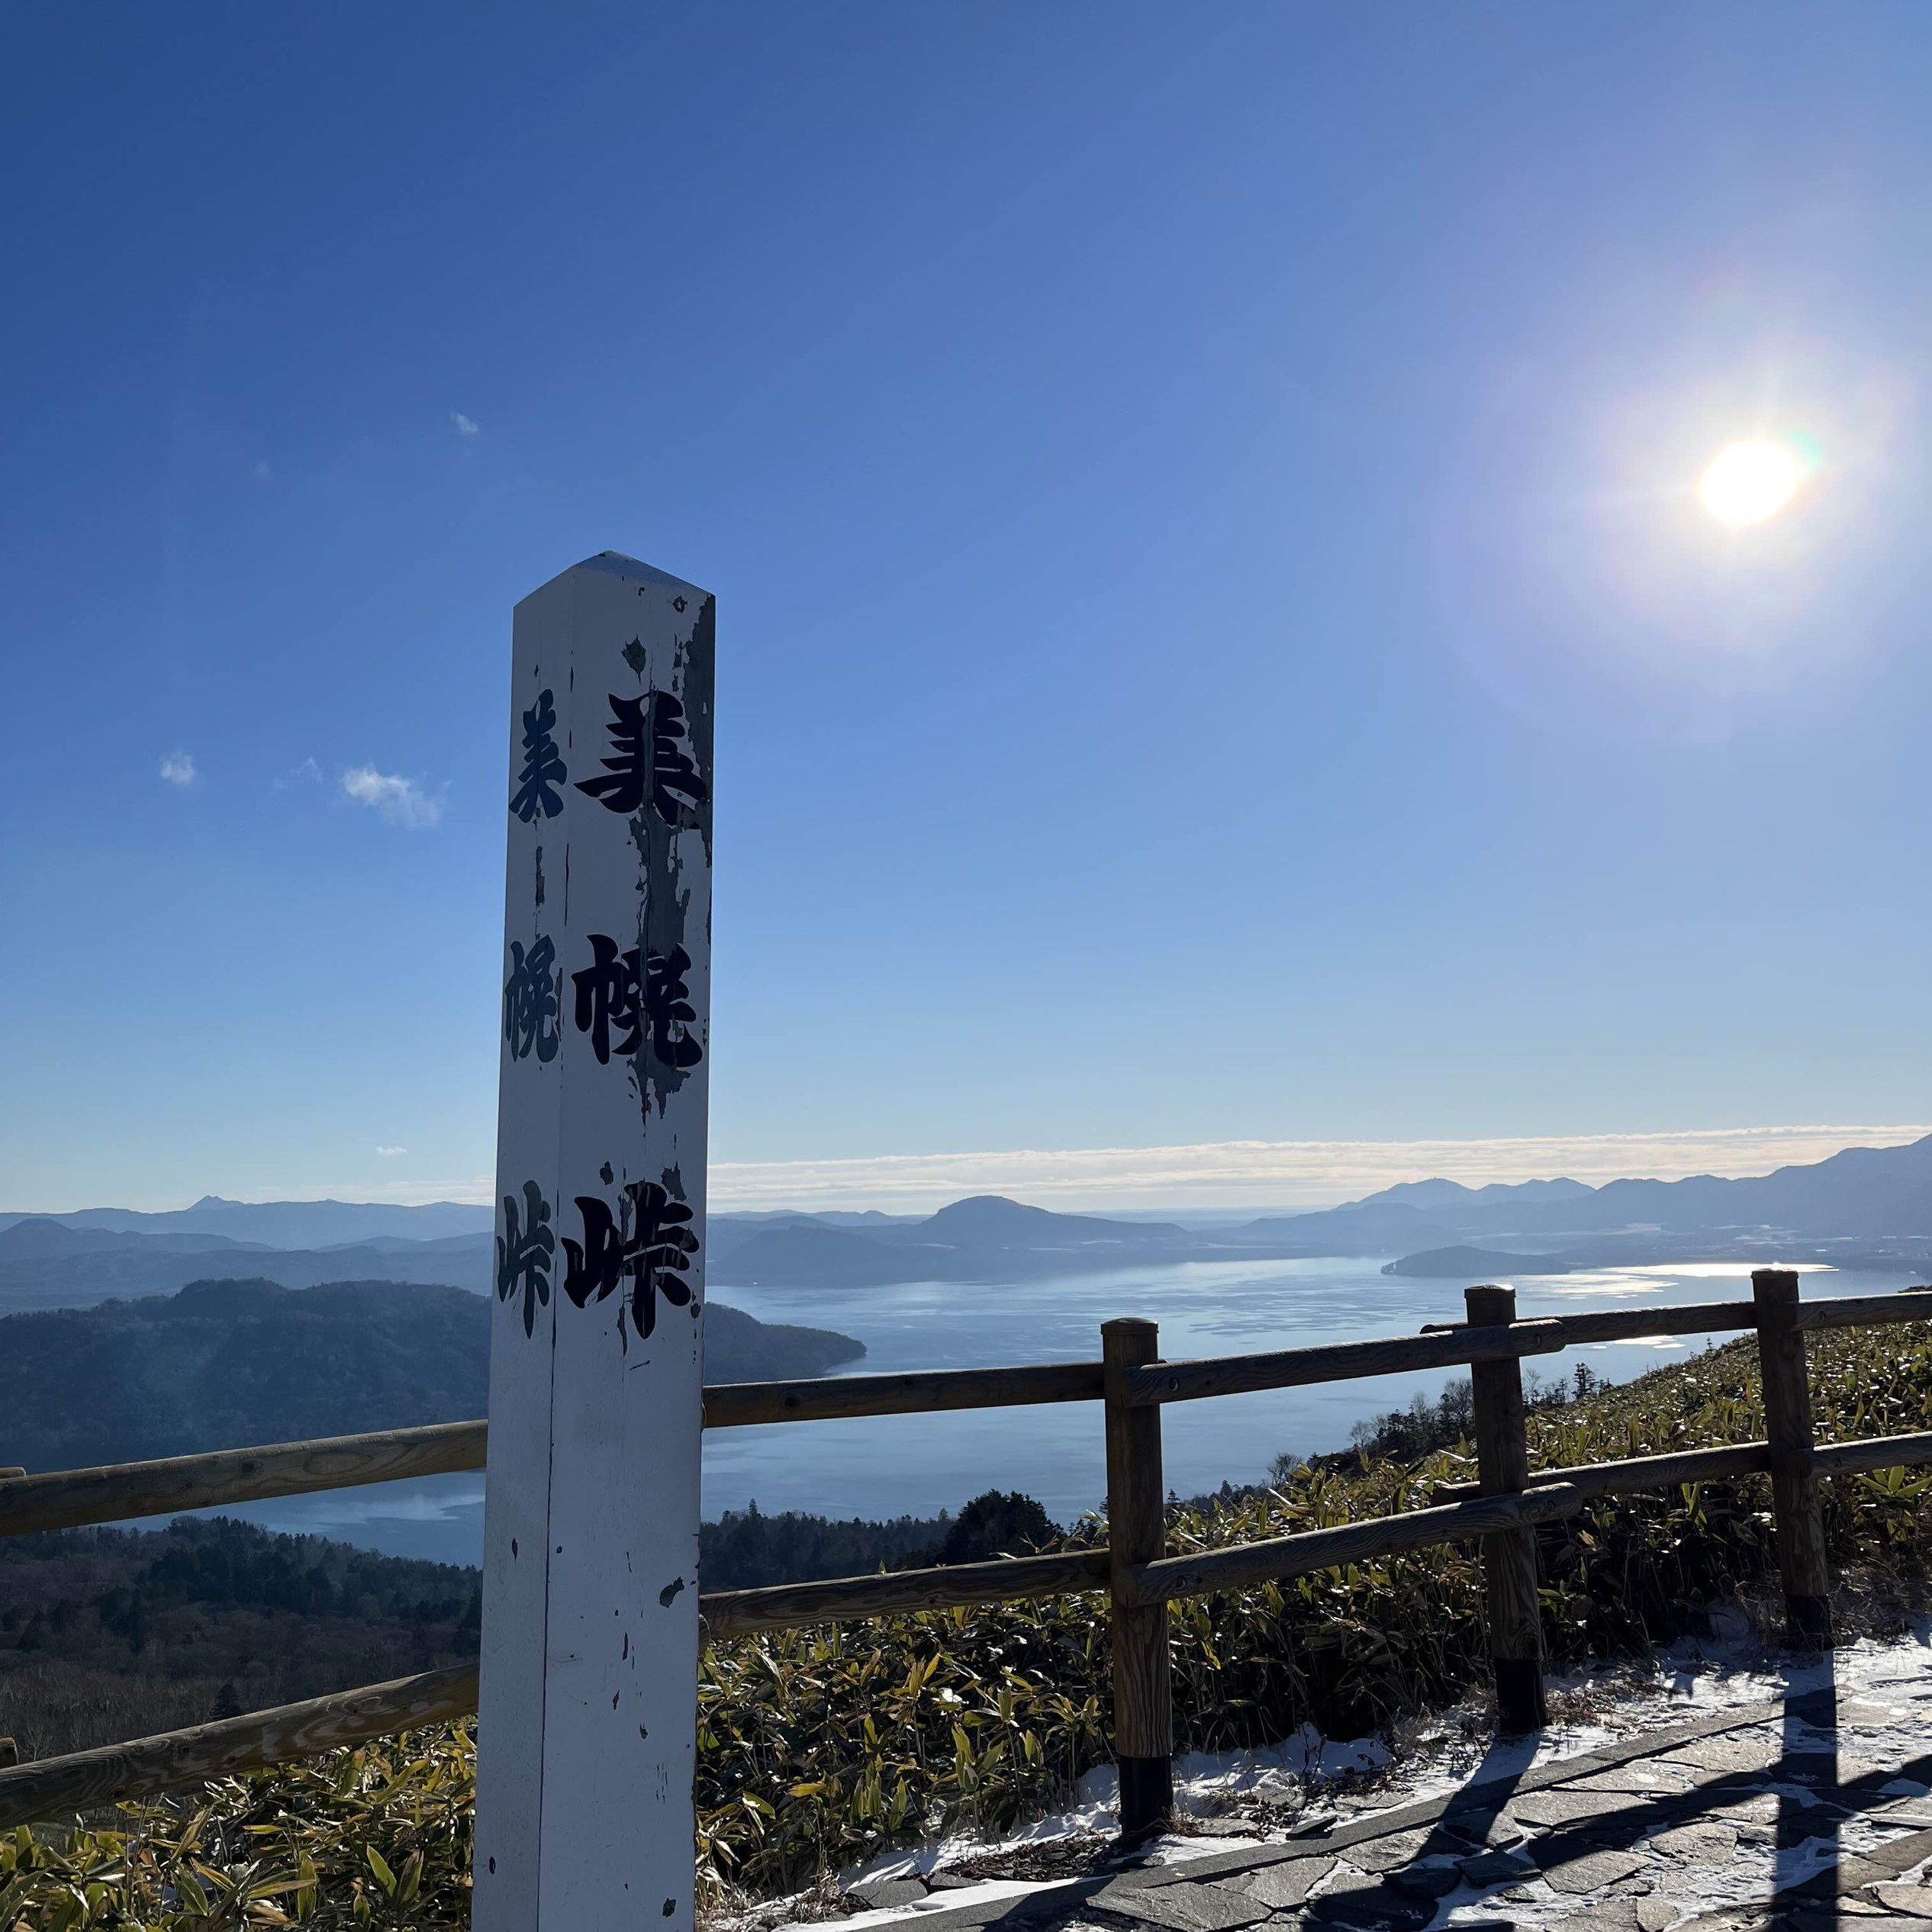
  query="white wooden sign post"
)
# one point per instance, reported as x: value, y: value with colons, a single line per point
x: 587, y: 1728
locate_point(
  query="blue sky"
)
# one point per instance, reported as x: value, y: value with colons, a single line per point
x: 1217, y: 638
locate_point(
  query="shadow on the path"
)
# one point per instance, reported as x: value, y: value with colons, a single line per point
x: 1454, y: 1852
x: 1811, y: 1802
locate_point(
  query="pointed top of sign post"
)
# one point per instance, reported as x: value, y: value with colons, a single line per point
x: 617, y: 564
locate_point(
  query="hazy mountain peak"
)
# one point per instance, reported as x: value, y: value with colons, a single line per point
x: 1447, y: 1193
x: 283, y: 1224
x: 981, y: 1220
x: 982, y: 1214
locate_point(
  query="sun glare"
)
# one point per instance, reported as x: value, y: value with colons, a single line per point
x: 1751, y: 482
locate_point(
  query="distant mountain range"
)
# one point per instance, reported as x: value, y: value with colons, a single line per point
x: 1871, y: 1204
x: 281, y: 1224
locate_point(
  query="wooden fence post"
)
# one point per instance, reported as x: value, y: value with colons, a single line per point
x: 1143, y: 1686
x: 1509, y: 1556
x: 1795, y: 1499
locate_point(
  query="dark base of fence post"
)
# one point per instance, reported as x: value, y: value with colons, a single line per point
x: 1808, y: 1619
x: 1147, y: 1794
x: 1520, y: 1703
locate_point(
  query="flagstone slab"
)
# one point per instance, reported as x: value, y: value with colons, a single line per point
x: 1181, y: 1907
x: 1705, y: 1843
x: 1591, y: 1872
x: 1281, y: 1888
x: 1916, y: 1899
x: 1572, y: 1806
x: 1902, y: 1853
x: 1725, y: 1756
x: 1432, y: 1880
x: 1383, y: 1854
x: 1906, y: 1810
x: 1495, y: 1867
x: 1615, y: 1915
x: 1641, y: 1780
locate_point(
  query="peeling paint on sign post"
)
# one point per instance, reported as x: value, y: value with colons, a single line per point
x: 587, y: 1729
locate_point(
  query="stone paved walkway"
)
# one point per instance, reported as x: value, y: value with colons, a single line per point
x: 1812, y: 1811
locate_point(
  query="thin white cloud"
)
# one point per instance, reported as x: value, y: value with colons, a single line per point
x: 465, y: 425
x: 1225, y: 1173
x: 306, y: 773
x: 178, y: 768
x: 1271, y: 1174
x: 263, y: 474
x: 389, y: 1153
x: 402, y: 801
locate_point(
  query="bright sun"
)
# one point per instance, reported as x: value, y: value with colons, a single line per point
x: 1751, y: 482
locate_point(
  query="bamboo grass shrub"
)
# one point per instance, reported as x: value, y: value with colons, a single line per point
x: 378, y: 1836
x: 818, y: 1747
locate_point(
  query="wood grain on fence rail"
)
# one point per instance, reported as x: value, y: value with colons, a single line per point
x: 68, y: 1498
x: 792, y: 1606
x: 58, y: 1786
x: 1723, y: 1463
x: 1879, y: 1452
x: 1341, y: 1361
x: 1625, y: 1323
x: 1856, y: 1311
x: 1246, y: 1564
x: 1728, y: 1460
x: 737, y: 1405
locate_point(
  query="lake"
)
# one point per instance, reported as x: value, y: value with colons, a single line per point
x: 917, y: 1465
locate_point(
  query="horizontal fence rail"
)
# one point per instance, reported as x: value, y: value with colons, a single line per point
x: 1857, y: 1311
x: 793, y: 1606
x: 141, y: 1768
x: 1726, y: 1462
x: 1879, y: 1452
x: 1629, y: 1324
x: 1336, y: 1361
x: 71, y: 1498
x: 1245, y: 1565
x: 1512, y: 1509
x: 738, y: 1405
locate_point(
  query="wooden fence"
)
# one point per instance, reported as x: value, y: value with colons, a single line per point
x: 1504, y: 1507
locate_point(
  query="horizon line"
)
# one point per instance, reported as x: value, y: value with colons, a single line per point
x: 1301, y: 1174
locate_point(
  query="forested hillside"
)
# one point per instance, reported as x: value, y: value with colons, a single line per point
x: 110, y: 1633
x: 223, y: 1364
x: 118, y: 1633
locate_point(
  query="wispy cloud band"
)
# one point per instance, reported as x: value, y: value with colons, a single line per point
x: 1275, y: 1174
x: 1220, y: 1173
